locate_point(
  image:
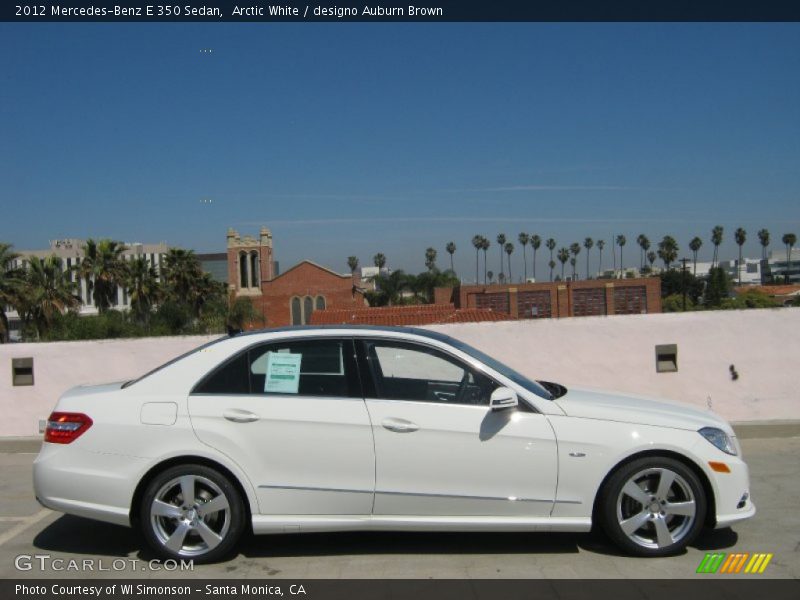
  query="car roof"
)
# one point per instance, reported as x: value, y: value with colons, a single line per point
x: 366, y: 328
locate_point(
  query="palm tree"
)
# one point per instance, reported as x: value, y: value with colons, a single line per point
x: 552, y: 265
x: 143, y: 287
x: 536, y: 243
x: 621, y: 243
x: 588, y: 243
x: 563, y: 257
x: 509, y: 248
x: 639, y: 239
x: 573, y: 261
x: 575, y: 249
x: 600, y: 245
x: 388, y: 288
x: 180, y: 273
x: 524, y: 238
x: 651, y: 258
x: 550, y: 244
x: 644, y: 244
x: 789, y: 239
x: 450, y: 248
x: 430, y: 258
x: 716, y: 239
x: 485, y: 243
x: 477, y: 243
x: 763, y: 238
x: 491, y: 276
x: 12, y: 286
x: 352, y: 263
x: 501, y: 242
x: 379, y: 260
x: 668, y: 250
x: 104, y: 270
x: 695, y: 246
x: 740, y: 235
x: 48, y: 292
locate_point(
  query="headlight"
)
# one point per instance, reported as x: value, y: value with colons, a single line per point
x: 719, y: 438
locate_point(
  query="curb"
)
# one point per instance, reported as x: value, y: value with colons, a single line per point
x: 745, y: 430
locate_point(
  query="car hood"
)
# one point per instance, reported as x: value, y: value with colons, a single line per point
x: 610, y: 406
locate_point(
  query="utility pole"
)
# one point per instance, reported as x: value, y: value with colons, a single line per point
x: 683, y: 262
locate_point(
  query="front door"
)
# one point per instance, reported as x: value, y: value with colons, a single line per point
x: 292, y: 415
x: 440, y: 450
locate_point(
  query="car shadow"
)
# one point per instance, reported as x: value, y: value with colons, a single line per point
x: 76, y: 535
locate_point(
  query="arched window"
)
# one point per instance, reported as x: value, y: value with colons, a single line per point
x: 320, y: 303
x: 297, y: 315
x: 243, y: 283
x: 254, y: 282
x: 308, y: 308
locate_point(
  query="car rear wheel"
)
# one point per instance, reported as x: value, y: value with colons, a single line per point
x: 192, y: 512
x: 653, y: 506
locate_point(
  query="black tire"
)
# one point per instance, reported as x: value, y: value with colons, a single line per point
x: 204, y: 530
x: 656, y: 524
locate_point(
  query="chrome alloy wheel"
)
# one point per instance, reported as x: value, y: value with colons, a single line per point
x: 656, y: 508
x: 190, y: 515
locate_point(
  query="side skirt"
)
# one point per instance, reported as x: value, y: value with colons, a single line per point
x: 321, y: 523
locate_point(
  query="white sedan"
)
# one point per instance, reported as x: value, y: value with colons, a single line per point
x: 353, y: 428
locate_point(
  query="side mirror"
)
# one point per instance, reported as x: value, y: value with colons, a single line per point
x: 503, y: 398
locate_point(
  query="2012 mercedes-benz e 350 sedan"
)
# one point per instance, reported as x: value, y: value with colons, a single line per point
x: 352, y: 428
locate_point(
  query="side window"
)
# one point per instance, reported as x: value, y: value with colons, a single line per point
x: 230, y: 378
x: 323, y: 367
x: 403, y: 371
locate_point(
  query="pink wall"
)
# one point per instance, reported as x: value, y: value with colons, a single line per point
x: 605, y: 352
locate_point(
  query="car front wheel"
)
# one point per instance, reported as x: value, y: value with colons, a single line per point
x: 192, y: 512
x: 653, y: 506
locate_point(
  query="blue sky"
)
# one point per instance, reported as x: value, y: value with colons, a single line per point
x: 358, y: 138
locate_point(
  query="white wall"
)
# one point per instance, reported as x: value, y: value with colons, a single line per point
x: 605, y: 352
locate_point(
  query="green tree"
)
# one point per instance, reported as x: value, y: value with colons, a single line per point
x: 104, y: 270
x: 695, y: 246
x: 563, y: 257
x: 763, y: 239
x: 740, y: 235
x: 621, y: 241
x: 485, y: 243
x: 12, y: 287
x: 379, y: 260
x: 717, y: 289
x: 751, y: 298
x: 523, y: 238
x: 509, y: 248
x: 668, y: 250
x: 588, y: 243
x: 575, y: 249
x: 536, y: 243
x: 352, y: 263
x: 477, y: 243
x: 552, y: 264
x: 430, y: 258
x: 600, y: 245
x: 651, y: 258
x: 241, y: 312
x: 789, y: 240
x: 48, y: 293
x: 451, y: 249
x: 179, y: 274
x: 550, y: 244
x: 143, y: 287
x: 501, y: 242
x: 389, y: 289
x: 716, y: 239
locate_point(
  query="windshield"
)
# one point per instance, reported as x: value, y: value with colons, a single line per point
x: 504, y: 370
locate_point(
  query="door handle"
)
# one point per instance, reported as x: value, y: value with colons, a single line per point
x: 237, y: 415
x: 399, y: 425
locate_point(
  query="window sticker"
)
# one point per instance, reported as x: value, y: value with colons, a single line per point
x: 283, y: 373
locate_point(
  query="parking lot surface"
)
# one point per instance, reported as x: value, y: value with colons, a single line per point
x: 77, y: 548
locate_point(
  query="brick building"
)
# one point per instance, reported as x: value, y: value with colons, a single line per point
x: 291, y: 297
x: 559, y: 299
x: 415, y: 314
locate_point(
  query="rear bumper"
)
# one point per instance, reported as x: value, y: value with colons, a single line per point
x: 87, y: 484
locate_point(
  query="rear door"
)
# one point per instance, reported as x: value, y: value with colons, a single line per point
x: 292, y: 414
x: 440, y: 451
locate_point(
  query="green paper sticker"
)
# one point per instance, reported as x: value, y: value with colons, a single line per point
x: 283, y: 373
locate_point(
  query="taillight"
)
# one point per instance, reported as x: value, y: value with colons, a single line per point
x: 66, y: 427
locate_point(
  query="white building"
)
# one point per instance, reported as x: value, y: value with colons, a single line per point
x: 777, y: 265
x: 70, y: 251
